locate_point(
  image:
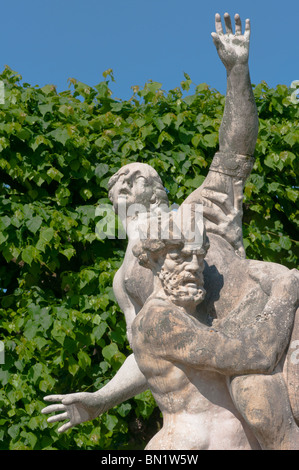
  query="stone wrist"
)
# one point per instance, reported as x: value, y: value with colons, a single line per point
x: 230, y: 164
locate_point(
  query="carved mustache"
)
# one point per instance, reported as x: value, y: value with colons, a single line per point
x: 189, y: 278
x: 124, y: 191
x: 184, y: 278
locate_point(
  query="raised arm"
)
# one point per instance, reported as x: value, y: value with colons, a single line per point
x: 222, y: 191
x: 239, y: 127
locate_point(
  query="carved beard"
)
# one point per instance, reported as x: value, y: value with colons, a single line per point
x: 175, y: 287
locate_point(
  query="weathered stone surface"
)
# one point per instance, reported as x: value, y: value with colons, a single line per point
x: 182, y: 351
x: 212, y: 332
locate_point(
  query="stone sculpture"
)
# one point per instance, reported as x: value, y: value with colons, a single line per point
x: 179, y: 353
x: 223, y: 377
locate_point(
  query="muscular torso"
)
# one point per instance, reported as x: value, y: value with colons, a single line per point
x: 198, y: 412
x: 197, y: 400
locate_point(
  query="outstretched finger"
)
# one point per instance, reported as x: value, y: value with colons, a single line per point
x: 238, y: 24
x: 228, y: 23
x: 218, y: 24
x: 70, y: 400
x: 60, y: 417
x: 247, y: 29
x: 65, y: 427
x: 54, y: 398
x: 53, y: 409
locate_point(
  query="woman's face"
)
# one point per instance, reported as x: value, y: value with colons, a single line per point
x: 132, y: 188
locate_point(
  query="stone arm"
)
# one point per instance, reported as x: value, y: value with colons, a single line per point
x: 239, y: 127
x: 124, y: 301
x: 77, y: 408
x: 253, y: 349
x: 222, y: 191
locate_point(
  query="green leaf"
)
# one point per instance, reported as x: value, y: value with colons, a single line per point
x: 84, y: 360
x: 202, y: 87
x: 63, y: 195
x: 31, y: 329
x: 110, y: 351
x: 14, y: 430
x: 54, y: 174
x: 34, y: 224
x: 101, y: 170
x: 195, y: 182
x: 58, y: 333
x: 61, y: 135
x: 270, y: 161
x: 285, y: 242
x: 46, y: 234
x: 103, y: 90
x: 86, y: 193
x: 24, y: 134
x: 273, y: 187
x: 86, y: 276
x: 35, y: 372
x: 211, y: 140
x: 45, y: 108
x: 196, y: 140
x: 4, y: 222
x: 69, y: 252
x: 159, y: 124
x: 73, y: 366
x: 292, y: 194
x: 110, y: 421
x: 29, y: 254
x: 124, y: 409
x: 99, y: 330
x: 292, y: 138
x: 30, y: 438
x: 3, y: 237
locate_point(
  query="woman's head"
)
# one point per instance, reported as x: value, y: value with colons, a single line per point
x: 137, y: 183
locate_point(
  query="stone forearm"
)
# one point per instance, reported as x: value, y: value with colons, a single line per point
x: 127, y: 383
x: 239, y: 127
x: 257, y: 348
x: 228, y: 356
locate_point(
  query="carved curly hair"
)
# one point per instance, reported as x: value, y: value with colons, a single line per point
x: 148, y: 251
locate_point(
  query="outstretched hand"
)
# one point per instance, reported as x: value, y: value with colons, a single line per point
x: 76, y: 408
x: 232, y: 48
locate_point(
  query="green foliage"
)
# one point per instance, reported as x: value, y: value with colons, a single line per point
x: 271, y: 193
x: 62, y: 329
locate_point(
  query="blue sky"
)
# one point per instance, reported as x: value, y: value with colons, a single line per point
x: 51, y: 41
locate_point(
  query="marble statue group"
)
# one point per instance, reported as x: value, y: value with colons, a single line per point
x: 211, y: 331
